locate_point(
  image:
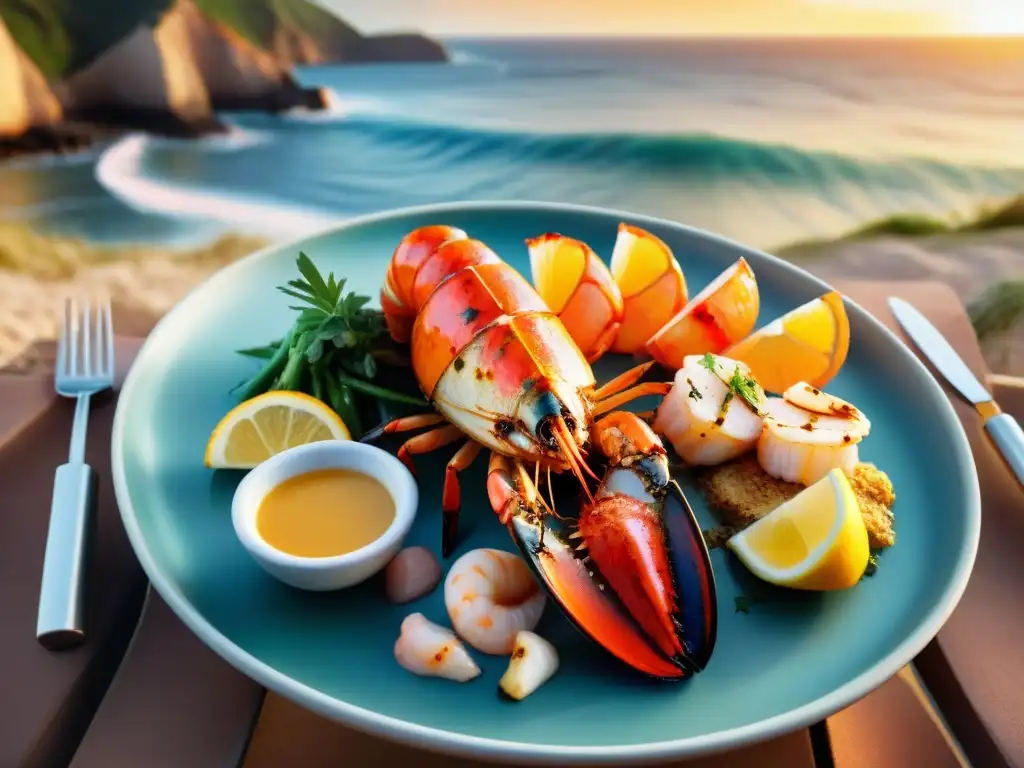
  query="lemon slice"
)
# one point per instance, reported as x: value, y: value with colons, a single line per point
x: 268, y: 424
x: 817, y: 540
x: 809, y: 344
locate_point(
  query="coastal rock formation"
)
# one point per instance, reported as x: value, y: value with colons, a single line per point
x: 237, y: 73
x: 407, y: 47
x: 167, y: 66
x: 172, y: 77
x: 148, y: 78
x: 26, y: 101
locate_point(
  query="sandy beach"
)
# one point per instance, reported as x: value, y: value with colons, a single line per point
x: 38, y: 273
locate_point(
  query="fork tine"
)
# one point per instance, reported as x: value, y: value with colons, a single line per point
x: 87, y: 365
x: 73, y: 339
x: 108, y: 324
x: 62, y: 343
x: 99, y: 347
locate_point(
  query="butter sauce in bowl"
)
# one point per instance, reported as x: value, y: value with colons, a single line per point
x: 325, y: 515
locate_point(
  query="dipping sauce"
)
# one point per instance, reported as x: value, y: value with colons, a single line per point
x: 325, y: 513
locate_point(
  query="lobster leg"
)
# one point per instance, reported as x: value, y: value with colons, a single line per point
x: 427, y: 442
x: 451, y: 498
x: 623, y: 381
x: 568, y: 576
x: 640, y: 390
x: 405, y: 424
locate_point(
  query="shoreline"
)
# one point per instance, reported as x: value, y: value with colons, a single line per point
x: 84, y: 131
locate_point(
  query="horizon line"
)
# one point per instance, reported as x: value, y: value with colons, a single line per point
x: 734, y: 36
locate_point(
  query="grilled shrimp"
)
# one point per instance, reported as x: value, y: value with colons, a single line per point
x: 491, y: 597
x: 429, y: 650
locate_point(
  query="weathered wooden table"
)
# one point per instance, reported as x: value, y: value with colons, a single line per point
x: 174, y: 703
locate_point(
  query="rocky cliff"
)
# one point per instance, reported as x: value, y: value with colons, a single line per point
x: 237, y: 73
x: 169, y: 65
x: 26, y: 101
x: 173, y: 76
x: 149, y: 78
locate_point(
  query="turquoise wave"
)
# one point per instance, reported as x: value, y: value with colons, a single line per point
x: 699, y: 156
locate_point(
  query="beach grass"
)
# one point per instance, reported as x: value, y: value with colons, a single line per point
x: 39, y: 272
x: 987, y: 219
x: 998, y: 310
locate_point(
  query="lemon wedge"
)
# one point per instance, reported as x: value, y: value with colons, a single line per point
x: 809, y: 344
x: 577, y: 286
x: 817, y: 540
x: 651, y: 283
x: 255, y: 430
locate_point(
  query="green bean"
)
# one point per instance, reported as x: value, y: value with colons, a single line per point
x: 343, y: 404
x: 291, y: 376
x: 374, y: 391
x: 318, y: 383
x: 263, y: 380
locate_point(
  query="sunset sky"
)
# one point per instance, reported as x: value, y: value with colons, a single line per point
x: 687, y: 17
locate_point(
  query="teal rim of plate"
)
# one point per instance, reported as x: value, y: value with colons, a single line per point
x: 454, y: 743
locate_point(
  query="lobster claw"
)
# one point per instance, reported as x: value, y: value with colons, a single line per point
x: 639, y: 580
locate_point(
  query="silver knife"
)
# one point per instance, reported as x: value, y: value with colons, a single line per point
x: 1004, y: 430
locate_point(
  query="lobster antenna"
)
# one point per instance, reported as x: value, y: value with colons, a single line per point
x: 551, y: 494
x: 572, y: 457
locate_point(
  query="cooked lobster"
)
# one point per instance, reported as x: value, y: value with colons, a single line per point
x: 502, y: 372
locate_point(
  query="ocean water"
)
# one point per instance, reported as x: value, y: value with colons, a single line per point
x: 764, y: 141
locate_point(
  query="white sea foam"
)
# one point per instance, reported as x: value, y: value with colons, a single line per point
x: 120, y: 172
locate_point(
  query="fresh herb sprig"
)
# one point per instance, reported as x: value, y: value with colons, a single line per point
x: 740, y: 384
x: 336, y: 350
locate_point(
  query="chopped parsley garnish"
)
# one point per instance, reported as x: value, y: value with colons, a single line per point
x: 747, y: 388
x: 708, y: 361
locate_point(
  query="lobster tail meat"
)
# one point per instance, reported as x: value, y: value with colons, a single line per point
x: 413, y: 252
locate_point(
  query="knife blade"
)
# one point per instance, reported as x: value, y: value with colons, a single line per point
x: 1004, y: 430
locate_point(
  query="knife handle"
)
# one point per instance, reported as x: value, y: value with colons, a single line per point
x: 1009, y: 437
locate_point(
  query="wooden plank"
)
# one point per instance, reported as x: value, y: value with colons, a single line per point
x: 287, y: 734
x: 173, y: 703
x: 48, y: 699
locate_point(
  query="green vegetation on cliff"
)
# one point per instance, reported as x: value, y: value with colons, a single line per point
x: 1010, y: 214
x: 64, y: 36
x: 999, y: 309
x: 260, y: 21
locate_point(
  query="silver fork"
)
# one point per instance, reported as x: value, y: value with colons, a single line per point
x: 85, y: 366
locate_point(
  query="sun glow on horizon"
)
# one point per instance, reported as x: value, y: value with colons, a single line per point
x: 757, y: 18
x: 995, y: 17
